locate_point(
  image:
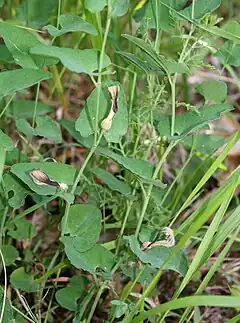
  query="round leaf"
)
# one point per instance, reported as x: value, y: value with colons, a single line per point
x: 5, y: 142
x: 83, y: 225
x: 67, y: 297
x: 213, y: 90
x: 21, y: 280
x: 10, y: 254
x: 95, y: 258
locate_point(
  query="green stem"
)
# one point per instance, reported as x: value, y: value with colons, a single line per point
x: 59, y: 87
x: 91, y: 152
x: 2, y: 225
x: 35, y: 105
x: 99, y: 293
x: 33, y: 208
x: 134, y: 81
x: 100, y: 69
x: 180, y: 173
x: 149, y: 191
x: 59, y: 12
x: 173, y: 96
x: 7, y: 105
x: 129, y: 207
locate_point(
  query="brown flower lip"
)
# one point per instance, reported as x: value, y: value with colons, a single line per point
x: 113, y: 90
x: 41, y: 178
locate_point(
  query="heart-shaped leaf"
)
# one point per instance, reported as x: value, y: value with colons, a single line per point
x: 21, y: 280
x: 94, y: 260
x: 76, y: 60
x: 83, y: 225
x: 10, y: 254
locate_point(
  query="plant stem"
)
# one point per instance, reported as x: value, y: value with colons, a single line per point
x: 99, y: 293
x: 33, y: 208
x: 7, y: 105
x: 180, y: 173
x: 149, y: 191
x: 35, y: 105
x: 100, y: 70
x: 129, y: 207
x: 91, y: 152
x: 59, y: 12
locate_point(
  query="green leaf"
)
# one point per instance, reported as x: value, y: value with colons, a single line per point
x: 230, y: 31
x: 147, y: 68
x: 5, y: 55
x: 8, y: 312
x: 159, y: 61
x: 46, y: 128
x: 24, y: 109
x: 38, y: 12
x: 189, y: 121
x: 213, y: 90
x: 10, y: 254
x: 15, y: 190
x: 203, y: 300
x: 201, y: 9
x: 119, y: 7
x: 85, y: 123
x: 157, y: 255
x: 132, y: 272
x: 205, y: 144
x: 112, y: 182
x: 71, y: 23
x: 83, y: 225
x: 69, y: 126
x: 95, y: 259
x: 2, y: 3
x: 76, y: 60
x: 16, y: 80
x: 5, y: 142
x: 23, y: 281
x: 19, y: 41
x: 61, y: 173
x: 155, y: 182
x: 95, y: 6
x: 161, y: 18
x: 22, y: 230
x: 67, y: 297
x: 141, y: 168
x: 121, y: 307
x: 229, y: 53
